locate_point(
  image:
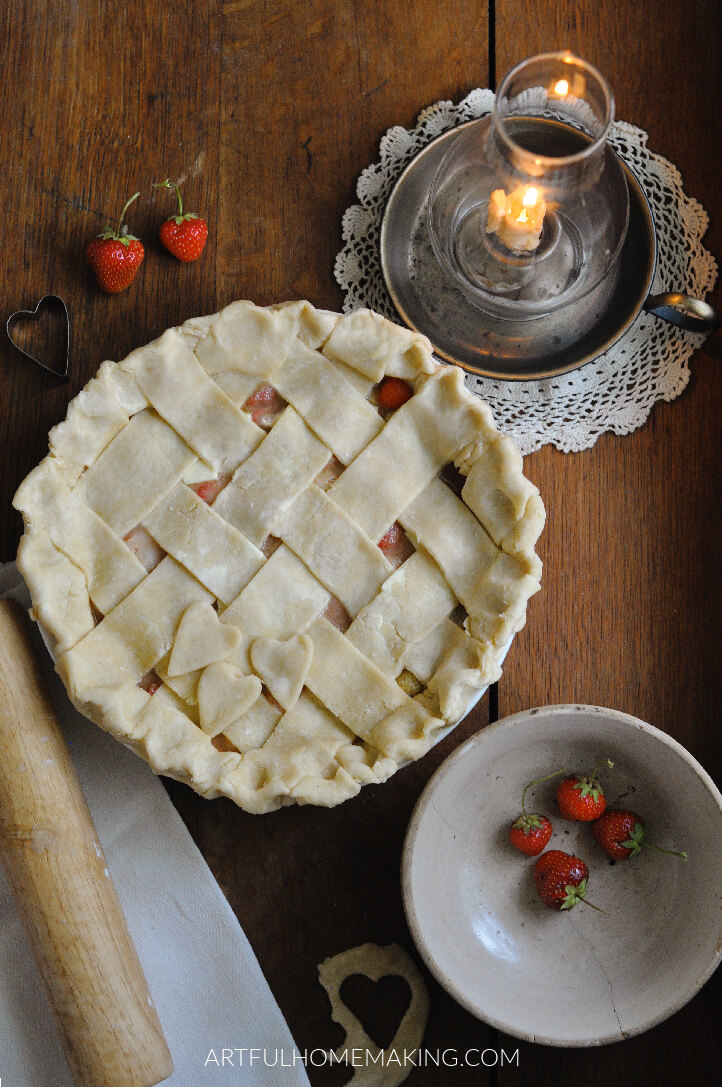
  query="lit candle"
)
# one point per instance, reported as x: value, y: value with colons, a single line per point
x: 517, y: 217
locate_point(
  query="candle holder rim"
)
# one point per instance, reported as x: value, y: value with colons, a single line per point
x: 551, y: 161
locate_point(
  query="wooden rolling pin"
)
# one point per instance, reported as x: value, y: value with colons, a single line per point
x: 59, y: 879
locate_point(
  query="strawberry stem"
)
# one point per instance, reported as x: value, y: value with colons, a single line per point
x: 670, y: 852
x: 125, y: 208
x: 168, y: 184
x: 578, y: 893
x: 597, y: 768
x: 539, y: 781
x: 637, y: 839
x: 586, y: 902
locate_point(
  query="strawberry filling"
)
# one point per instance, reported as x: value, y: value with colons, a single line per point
x: 150, y: 682
x: 329, y: 474
x: 453, y: 478
x: 264, y: 405
x: 396, y: 545
x: 144, y: 547
x: 392, y: 392
x: 209, y: 489
x: 222, y: 743
x: 336, y: 613
x: 269, y: 545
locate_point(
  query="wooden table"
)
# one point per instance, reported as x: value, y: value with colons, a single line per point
x: 270, y: 109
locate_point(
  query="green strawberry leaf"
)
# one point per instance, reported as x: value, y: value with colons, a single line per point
x: 635, y: 840
x: 527, y: 823
x: 589, y: 788
x: 573, y: 894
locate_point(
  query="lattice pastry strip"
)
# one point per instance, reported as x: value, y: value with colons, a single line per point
x: 195, y: 535
x: 334, y: 548
x: 246, y: 339
x: 283, y: 599
x: 302, y: 760
x: 368, y: 698
x: 190, y: 401
x: 412, y: 603
x: 374, y: 347
x: 471, y: 562
x: 135, y: 635
x: 268, y: 481
x: 253, y: 727
x: 142, y: 463
x: 343, y: 418
x: 214, y: 653
x: 110, y: 568
x: 417, y: 442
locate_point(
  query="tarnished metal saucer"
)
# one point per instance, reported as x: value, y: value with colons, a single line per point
x: 429, y: 302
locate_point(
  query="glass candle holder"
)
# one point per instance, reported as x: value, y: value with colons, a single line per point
x: 528, y: 209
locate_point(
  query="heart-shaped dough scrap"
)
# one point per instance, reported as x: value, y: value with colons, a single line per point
x: 201, y: 639
x: 376, y: 962
x: 283, y: 666
x: 224, y: 695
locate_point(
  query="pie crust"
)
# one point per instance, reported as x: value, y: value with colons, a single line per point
x: 217, y: 584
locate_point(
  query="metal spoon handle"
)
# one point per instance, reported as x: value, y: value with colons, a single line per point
x: 684, y: 311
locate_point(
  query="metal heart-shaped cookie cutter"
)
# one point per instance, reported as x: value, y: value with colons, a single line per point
x: 48, y: 300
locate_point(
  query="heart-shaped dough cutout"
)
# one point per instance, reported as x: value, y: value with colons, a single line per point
x: 224, y: 695
x: 283, y: 666
x: 201, y: 639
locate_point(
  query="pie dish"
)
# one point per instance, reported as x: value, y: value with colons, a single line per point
x: 262, y: 577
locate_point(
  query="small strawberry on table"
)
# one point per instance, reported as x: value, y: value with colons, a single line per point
x: 116, y: 255
x: 184, y: 235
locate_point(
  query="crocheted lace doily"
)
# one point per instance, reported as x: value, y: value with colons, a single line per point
x: 617, y: 390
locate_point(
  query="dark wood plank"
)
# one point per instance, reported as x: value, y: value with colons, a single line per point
x: 308, y: 91
x: 100, y: 100
x: 628, y: 615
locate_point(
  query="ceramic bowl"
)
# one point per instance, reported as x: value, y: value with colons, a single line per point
x: 576, y: 978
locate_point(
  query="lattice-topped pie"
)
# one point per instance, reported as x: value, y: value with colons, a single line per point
x: 278, y: 551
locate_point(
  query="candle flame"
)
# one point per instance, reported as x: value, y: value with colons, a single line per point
x: 561, y: 88
x: 517, y: 217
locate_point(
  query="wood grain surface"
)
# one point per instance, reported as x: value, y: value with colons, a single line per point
x: 270, y: 110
